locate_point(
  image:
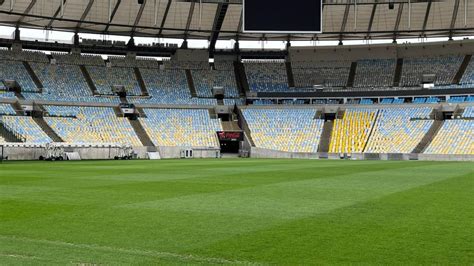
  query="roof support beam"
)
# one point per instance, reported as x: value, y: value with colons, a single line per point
x: 112, y: 15
x: 56, y: 14
x: 216, y: 27
x: 27, y: 11
x: 167, y: 10
x: 371, y: 21
x: 427, y: 15
x: 344, y: 22
x: 139, y: 16
x: 397, y: 22
x: 86, y: 12
x: 453, y: 19
x: 190, y: 18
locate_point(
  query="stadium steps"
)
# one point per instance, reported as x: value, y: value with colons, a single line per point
x: 33, y: 76
x: 47, y: 129
x: 352, y: 73
x: 220, y: 101
x: 9, y: 135
x: 458, y: 112
x: 141, y: 112
x: 191, y: 86
x: 243, y: 125
x: 230, y: 126
x: 212, y: 113
x: 89, y: 81
x: 118, y: 111
x: 141, y: 82
x: 142, y: 135
x: 123, y: 99
x: 340, y: 113
x: 326, y: 136
x: 241, y: 78
x: 19, y: 95
x: 18, y: 109
x: 289, y: 75
x: 457, y: 78
x: 398, y: 72
x: 428, y: 138
x: 371, y: 130
x: 318, y: 115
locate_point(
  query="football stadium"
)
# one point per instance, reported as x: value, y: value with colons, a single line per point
x: 259, y: 132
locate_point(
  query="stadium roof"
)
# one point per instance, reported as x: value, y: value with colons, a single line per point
x: 222, y: 19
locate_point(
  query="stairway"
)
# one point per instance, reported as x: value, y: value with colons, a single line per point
x: 141, y: 82
x: 241, y: 78
x: 289, y: 75
x: 141, y: 112
x: 371, y: 130
x: 191, y: 86
x: 47, y: 129
x: 398, y: 73
x: 326, y: 136
x: 118, y: 111
x: 33, y: 76
x: 142, y: 135
x: 18, y: 109
x: 220, y: 101
x: 426, y: 140
x: 18, y: 95
x: 462, y: 68
x: 123, y: 99
x: 458, y: 112
x: 350, y: 80
x: 230, y: 126
x: 89, y: 80
x: 243, y: 125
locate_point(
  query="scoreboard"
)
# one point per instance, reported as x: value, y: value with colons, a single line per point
x: 282, y: 16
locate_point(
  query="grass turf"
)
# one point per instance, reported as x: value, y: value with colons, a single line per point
x: 237, y: 211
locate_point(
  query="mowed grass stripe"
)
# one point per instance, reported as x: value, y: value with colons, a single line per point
x: 159, y: 206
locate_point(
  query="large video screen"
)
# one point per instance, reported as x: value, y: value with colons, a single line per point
x: 282, y: 16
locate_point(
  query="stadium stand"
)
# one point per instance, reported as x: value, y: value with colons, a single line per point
x: 454, y: 137
x: 205, y: 80
x: 140, y: 62
x: 106, y: 77
x: 327, y: 73
x: 290, y: 130
x: 91, y: 125
x: 399, y: 130
x: 15, y: 70
x: 26, y: 127
x: 350, y: 134
x: 375, y: 73
x: 181, y: 127
x: 266, y: 76
x: 468, y: 112
x: 444, y: 67
x: 6, y: 109
x: 78, y: 59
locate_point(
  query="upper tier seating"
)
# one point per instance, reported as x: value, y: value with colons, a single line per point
x: 468, y: 112
x: 181, y: 127
x: 350, y: 133
x: 25, y: 55
x: 327, y: 73
x: 205, y: 80
x: 468, y: 77
x: 140, y: 62
x: 91, y: 125
x: 106, y: 77
x: 289, y: 130
x: 454, y: 137
x: 375, y: 73
x: 78, y: 59
x: 6, y: 109
x: 62, y: 83
x: 15, y: 70
x: 168, y: 87
x: 172, y: 64
x: 264, y: 76
x: 444, y: 67
x: 26, y: 127
x: 7, y: 94
x: 396, y: 132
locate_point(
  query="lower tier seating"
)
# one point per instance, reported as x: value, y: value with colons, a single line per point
x: 454, y: 137
x: 26, y: 127
x: 290, y: 130
x: 91, y: 125
x: 350, y: 133
x: 181, y: 127
x: 395, y: 131
x: 6, y: 109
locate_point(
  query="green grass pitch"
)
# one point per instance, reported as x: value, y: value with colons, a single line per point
x: 237, y: 211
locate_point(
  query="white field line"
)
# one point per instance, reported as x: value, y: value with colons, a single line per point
x: 150, y: 253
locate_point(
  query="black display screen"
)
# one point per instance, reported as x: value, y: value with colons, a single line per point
x: 285, y: 16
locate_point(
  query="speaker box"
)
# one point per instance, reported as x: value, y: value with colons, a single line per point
x: 140, y: 2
